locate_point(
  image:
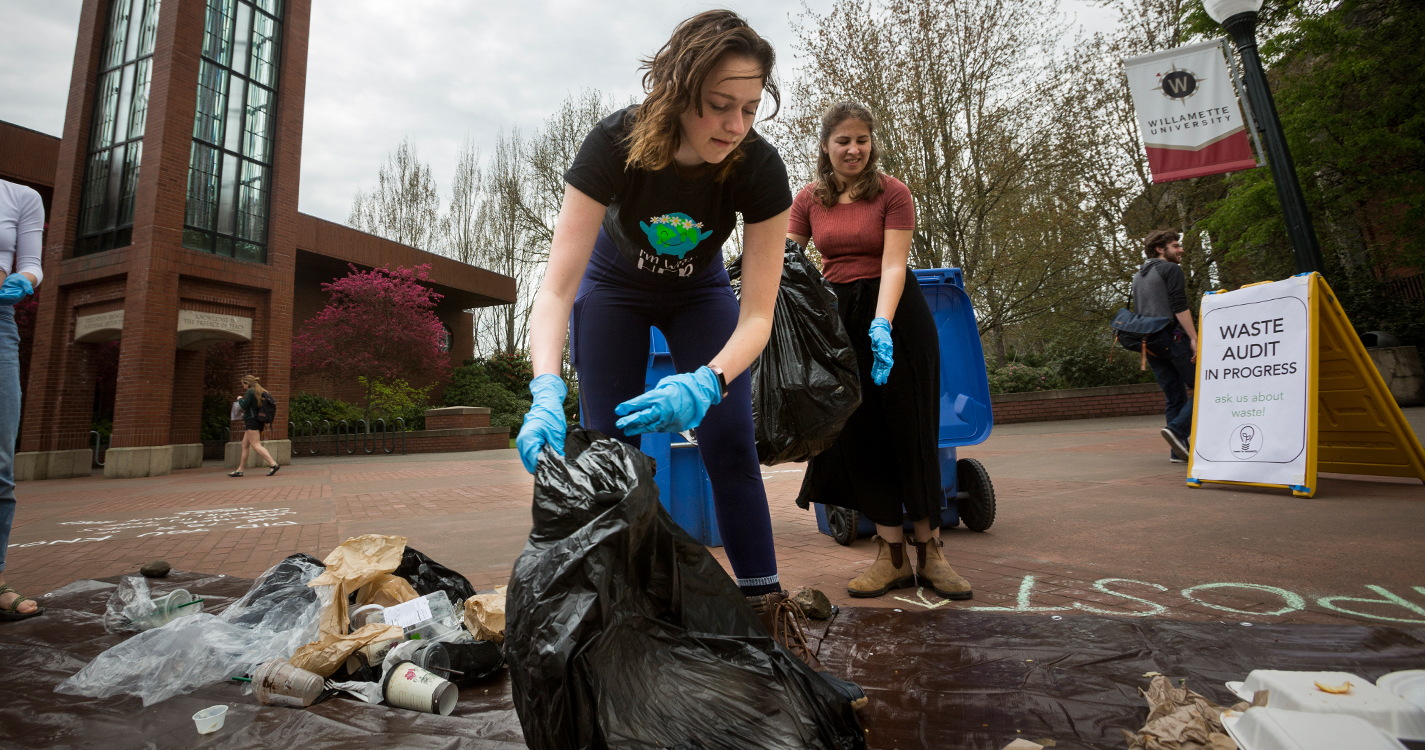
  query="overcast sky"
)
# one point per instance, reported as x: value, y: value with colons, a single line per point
x: 433, y: 70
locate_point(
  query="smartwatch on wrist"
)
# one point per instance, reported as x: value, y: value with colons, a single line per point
x: 721, y: 381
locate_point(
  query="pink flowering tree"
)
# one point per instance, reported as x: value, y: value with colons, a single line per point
x: 380, y: 326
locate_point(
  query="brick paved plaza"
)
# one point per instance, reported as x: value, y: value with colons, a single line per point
x: 1092, y: 518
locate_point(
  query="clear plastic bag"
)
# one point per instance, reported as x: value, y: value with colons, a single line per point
x: 275, y: 618
x: 129, y: 605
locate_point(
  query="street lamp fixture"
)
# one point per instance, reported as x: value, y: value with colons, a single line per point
x: 1239, y: 17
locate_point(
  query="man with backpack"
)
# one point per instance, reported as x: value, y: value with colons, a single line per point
x: 1158, y: 292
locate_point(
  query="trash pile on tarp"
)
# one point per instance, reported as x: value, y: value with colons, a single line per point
x: 806, y: 383
x: 623, y: 631
x: 302, y: 622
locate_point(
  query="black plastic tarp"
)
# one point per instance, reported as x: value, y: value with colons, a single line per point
x: 936, y: 679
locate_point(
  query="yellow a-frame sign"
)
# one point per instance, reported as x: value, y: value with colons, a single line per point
x: 1285, y: 389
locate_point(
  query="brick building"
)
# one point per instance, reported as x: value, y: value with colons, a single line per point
x: 173, y: 225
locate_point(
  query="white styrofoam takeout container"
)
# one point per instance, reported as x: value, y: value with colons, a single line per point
x: 1297, y: 691
x: 1277, y: 729
x: 1408, y: 685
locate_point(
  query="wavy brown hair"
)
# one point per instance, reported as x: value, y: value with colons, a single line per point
x: 673, y: 81
x: 255, y: 383
x: 868, y: 185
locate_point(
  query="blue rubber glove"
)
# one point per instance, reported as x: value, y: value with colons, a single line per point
x: 544, y: 424
x: 676, y: 404
x: 884, y: 350
x: 15, y: 288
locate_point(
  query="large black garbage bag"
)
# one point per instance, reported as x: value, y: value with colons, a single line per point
x: 283, y: 587
x: 623, y: 632
x: 427, y: 576
x: 806, y: 384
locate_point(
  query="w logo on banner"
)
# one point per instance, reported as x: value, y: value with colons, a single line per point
x: 1179, y: 84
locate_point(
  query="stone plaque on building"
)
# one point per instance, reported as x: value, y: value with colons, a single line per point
x: 199, y: 329
x: 99, y: 327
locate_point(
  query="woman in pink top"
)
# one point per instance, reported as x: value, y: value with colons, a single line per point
x: 885, y: 464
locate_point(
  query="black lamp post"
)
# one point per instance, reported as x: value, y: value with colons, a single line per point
x: 1239, y: 17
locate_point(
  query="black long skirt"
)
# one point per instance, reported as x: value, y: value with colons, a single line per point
x: 885, y: 463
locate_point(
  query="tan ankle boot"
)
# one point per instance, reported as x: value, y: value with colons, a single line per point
x: 786, y: 623
x: 932, y: 569
x: 891, y: 570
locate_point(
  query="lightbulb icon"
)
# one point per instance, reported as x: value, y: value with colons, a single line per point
x: 1246, y: 433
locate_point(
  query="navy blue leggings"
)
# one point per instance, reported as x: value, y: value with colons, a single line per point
x: 609, y: 338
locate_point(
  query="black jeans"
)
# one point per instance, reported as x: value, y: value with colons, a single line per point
x: 1173, y: 367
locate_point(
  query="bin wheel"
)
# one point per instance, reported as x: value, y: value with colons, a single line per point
x: 843, y: 523
x: 978, y: 510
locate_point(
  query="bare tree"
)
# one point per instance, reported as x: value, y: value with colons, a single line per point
x: 405, y: 206
x: 506, y: 246
x: 461, y: 225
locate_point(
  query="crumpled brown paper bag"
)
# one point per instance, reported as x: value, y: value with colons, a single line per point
x: 353, y: 564
x: 387, y: 591
x: 324, y: 655
x: 485, y: 616
x: 1179, y: 719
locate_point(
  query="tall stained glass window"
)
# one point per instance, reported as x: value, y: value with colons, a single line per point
x: 230, y: 167
x: 111, y: 170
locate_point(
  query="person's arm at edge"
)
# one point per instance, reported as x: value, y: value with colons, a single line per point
x: 575, y: 232
x: 1177, y: 297
x: 29, y: 238
x: 894, y: 259
x: 1185, y: 320
x: 764, y: 245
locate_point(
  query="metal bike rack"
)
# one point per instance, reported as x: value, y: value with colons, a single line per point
x: 99, y: 441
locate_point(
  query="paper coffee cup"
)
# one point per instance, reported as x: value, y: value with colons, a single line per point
x: 410, y: 686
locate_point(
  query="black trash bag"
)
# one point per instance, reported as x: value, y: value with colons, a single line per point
x: 428, y: 576
x: 624, y: 632
x: 806, y: 383
x: 284, y: 588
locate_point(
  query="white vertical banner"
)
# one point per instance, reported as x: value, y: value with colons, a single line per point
x: 1188, y: 112
x: 1251, y: 421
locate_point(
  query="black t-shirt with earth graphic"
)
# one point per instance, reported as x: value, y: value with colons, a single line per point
x: 671, y: 223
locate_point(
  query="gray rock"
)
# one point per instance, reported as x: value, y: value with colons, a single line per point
x: 813, y: 603
x: 156, y: 569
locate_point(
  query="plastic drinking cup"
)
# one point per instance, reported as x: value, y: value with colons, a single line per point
x: 367, y: 614
x: 210, y: 719
x: 278, y: 683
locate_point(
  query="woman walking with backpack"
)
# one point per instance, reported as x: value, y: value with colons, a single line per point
x: 252, y: 404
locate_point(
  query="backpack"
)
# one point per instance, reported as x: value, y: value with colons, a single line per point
x: 1140, y: 333
x: 267, y: 410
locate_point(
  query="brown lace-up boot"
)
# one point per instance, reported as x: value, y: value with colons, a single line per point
x: 932, y: 569
x: 785, y: 622
x: 891, y: 570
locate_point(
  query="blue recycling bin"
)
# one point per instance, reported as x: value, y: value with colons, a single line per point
x: 683, y: 485
x: 965, y: 417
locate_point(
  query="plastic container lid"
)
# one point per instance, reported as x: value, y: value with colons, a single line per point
x: 1297, y: 691
x: 210, y: 719
x: 1278, y: 729
x: 1408, y: 685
